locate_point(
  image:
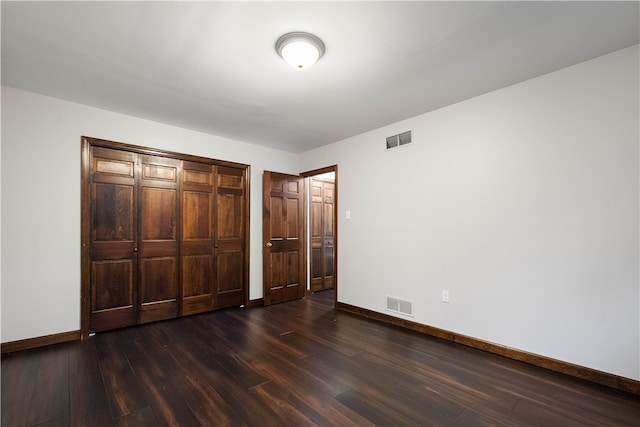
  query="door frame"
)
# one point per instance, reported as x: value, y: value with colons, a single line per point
x: 307, y: 175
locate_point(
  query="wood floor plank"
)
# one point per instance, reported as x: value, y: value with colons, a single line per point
x: 88, y: 401
x: 537, y: 413
x: 141, y: 418
x: 206, y: 403
x: 290, y: 411
x: 124, y: 392
x: 610, y: 406
x: 50, y: 398
x: 155, y: 372
x: 384, y: 414
x: 470, y: 417
x: 18, y: 380
x: 269, y: 334
x: 58, y: 422
x: 217, y: 380
x: 219, y: 359
x: 83, y: 357
x: 380, y: 388
x: 317, y: 388
x: 301, y: 375
x: 166, y: 333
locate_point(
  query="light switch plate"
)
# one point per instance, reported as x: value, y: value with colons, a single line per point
x: 445, y: 296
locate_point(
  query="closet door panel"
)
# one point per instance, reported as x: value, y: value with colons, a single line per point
x: 197, y: 258
x: 159, y: 218
x: 112, y: 296
x: 229, y: 243
x: 158, y: 289
x: 197, y: 277
x: 159, y: 214
x: 112, y: 241
x: 229, y: 266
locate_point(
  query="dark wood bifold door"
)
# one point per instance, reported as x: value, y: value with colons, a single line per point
x: 283, y: 237
x: 197, y: 259
x: 229, y: 247
x: 163, y: 235
x: 321, y: 217
x: 113, y: 248
x: 158, y: 240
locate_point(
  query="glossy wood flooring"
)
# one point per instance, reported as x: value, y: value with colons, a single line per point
x: 292, y: 364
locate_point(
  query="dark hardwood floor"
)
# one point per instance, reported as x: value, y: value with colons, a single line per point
x: 295, y: 364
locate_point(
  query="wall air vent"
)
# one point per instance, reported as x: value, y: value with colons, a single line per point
x: 399, y: 140
x: 400, y: 305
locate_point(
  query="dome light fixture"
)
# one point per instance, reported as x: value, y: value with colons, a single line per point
x: 301, y: 50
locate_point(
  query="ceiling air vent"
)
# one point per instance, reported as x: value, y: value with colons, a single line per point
x: 399, y: 140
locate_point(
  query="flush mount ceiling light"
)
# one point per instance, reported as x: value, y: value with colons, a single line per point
x: 299, y: 49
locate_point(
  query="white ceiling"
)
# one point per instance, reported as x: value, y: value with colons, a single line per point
x: 212, y: 66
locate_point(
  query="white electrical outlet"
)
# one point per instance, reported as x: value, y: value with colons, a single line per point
x: 445, y: 296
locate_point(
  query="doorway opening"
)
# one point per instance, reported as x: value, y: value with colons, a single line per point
x: 321, y: 229
x: 300, y: 234
x: 326, y: 264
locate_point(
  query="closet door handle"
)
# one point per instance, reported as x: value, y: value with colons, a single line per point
x: 269, y: 244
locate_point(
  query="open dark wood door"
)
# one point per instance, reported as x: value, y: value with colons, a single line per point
x: 284, y: 276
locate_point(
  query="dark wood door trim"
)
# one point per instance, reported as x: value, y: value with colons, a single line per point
x: 85, y: 232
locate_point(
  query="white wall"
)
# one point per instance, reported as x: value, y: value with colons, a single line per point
x: 523, y: 203
x: 41, y: 201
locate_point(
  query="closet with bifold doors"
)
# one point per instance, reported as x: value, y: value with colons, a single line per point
x: 163, y: 235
